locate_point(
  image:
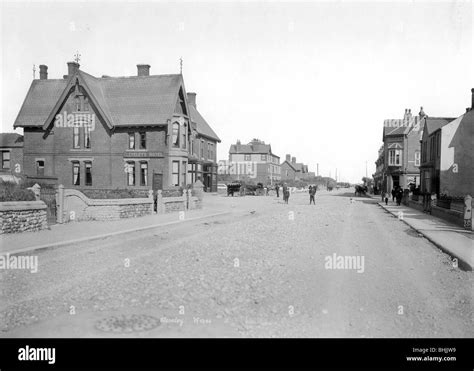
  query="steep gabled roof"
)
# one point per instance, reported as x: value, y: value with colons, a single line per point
x: 202, y: 127
x: 11, y: 140
x: 122, y: 101
x: 434, y: 123
x: 289, y: 164
x: 39, y: 102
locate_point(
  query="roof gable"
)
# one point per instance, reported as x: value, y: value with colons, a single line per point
x: 121, y: 101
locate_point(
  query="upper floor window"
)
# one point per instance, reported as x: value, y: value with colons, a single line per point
x: 88, y: 173
x: 183, y: 136
x: 202, y: 148
x: 86, y: 104
x: 175, y: 138
x: 263, y: 157
x: 87, y: 137
x: 395, y: 157
x: 5, y: 159
x: 211, y: 151
x: 76, y: 140
x: 131, y: 140
x: 77, y: 102
x: 246, y: 157
x: 142, y: 140
x: 417, y: 158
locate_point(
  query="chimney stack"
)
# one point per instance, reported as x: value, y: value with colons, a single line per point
x: 288, y: 158
x: 472, y: 98
x: 72, y: 67
x: 43, y: 72
x: 293, y: 160
x: 143, y: 70
x: 192, y: 99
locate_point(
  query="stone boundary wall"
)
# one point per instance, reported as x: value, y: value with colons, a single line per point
x: 75, y: 206
x: 22, y: 216
x: 181, y: 203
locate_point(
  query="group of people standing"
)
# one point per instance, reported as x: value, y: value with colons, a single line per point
x: 397, y: 194
x: 286, y: 192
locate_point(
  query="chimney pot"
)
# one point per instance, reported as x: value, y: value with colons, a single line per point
x: 192, y: 99
x: 472, y: 99
x: 288, y: 158
x: 43, y: 72
x: 143, y: 70
x: 293, y: 160
x: 72, y: 67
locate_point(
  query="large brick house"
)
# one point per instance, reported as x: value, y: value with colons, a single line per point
x: 257, y: 156
x: 401, y: 152
x: 112, y: 132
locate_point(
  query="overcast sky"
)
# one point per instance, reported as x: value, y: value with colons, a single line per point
x: 313, y: 79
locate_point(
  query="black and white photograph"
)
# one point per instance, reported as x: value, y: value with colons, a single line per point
x: 237, y: 169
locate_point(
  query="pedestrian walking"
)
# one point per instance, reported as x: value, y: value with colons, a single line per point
x: 277, y: 189
x: 386, y: 198
x: 312, y: 193
x: 394, y: 193
x: 399, y: 195
x: 286, y: 193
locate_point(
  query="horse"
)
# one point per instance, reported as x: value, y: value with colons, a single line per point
x: 361, y: 190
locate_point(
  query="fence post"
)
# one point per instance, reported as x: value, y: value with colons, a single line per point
x: 60, y: 204
x: 190, y: 200
x: 184, y: 197
x: 468, y: 212
x: 159, y: 203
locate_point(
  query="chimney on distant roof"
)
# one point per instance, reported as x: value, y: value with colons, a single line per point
x: 192, y: 99
x: 43, y: 72
x: 143, y: 70
x: 422, y: 113
x: 72, y: 67
x: 472, y: 98
x: 293, y: 160
x: 288, y: 158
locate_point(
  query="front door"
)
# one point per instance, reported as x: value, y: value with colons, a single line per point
x: 157, y: 182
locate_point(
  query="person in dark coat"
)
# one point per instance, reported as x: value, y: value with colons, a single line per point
x: 312, y: 193
x: 399, y: 195
x: 394, y: 193
x: 286, y: 193
x: 277, y: 189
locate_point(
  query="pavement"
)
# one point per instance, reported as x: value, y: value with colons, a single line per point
x: 59, y: 235
x: 452, y: 239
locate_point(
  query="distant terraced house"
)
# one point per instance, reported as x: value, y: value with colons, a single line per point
x: 139, y: 131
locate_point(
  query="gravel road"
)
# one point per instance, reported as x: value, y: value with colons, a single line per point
x: 260, y: 271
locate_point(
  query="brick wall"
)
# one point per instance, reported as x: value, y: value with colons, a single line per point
x: 22, y: 216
